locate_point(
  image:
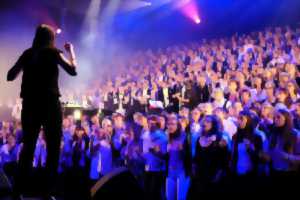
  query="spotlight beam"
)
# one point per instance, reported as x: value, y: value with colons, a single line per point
x: 128, y: 6
x: 90, y: 22
x: 190, y: 10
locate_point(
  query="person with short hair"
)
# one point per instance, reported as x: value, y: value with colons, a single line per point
x: 282, y: 100
x: 154, y: 153
x: 270, y: 92
x: 246, y: 98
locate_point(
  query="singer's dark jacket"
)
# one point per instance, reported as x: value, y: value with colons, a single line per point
x: 40, y: 72
x: 40, y: 108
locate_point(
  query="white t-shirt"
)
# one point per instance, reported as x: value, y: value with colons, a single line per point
x: 229, y: 127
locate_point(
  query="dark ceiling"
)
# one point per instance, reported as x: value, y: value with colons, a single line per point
x: 219, y: 17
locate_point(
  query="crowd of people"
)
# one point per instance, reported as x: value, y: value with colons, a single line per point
x: 214, y: 116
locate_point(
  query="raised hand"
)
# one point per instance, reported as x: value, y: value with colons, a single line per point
x: 68, y: 47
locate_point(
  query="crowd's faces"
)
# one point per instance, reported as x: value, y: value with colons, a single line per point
x: 137, y: 118
x: 269, y: 88
x: 85, y: 119
x: 118, y: 122
x: 152, y: 123
x: 245, y: 97
x: 267, y: 112
x: 184, y: 122
x: 237, y: 108
x: 241, y: 79
x: 218, y: 95
x: 291, y: 70
x: 245, y: 66
x: 184, y: 112
x: 172, y: 125
x: 71, y: 119
x: 95, y: 120
x: 66, y: 123
x: 291, y: 88
x: 79, y: 133
x: 274, y: 71
x: 232, y: 87
x: 207, y: 109
x: 202, y: 80
x: 279, y: 120
x: 162, y: 122
x: 257, y: 83
x: 11, y: 140
x: 232, y: 64
x: 283, y: 79
x: 207, y: 125
x: 107, y: 126
x: 5, y: 125
x: 281, y: 96
x: 144, y: 122
x: 85, y: 125
x: 122, y: 89
x: 196, y: 114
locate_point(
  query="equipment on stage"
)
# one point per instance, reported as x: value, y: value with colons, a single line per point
x: 71, y: 108
x: 119, y: 184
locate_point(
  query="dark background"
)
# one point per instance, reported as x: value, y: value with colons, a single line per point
x: 161, y: 24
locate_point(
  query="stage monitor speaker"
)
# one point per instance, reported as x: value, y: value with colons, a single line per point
x: 119, y: 184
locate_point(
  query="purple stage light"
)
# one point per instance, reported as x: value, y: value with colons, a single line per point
x: 190, y: 10
x: 197, y: 20
x: 58, y: 31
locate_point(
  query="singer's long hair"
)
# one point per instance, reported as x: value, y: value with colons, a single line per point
x: 44, y: 37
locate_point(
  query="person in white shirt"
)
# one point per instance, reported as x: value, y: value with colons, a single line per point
x: 16, y: 111
x: 219, y: 99
x: 229, y: 126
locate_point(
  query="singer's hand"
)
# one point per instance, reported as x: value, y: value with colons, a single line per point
x: 68, y: 46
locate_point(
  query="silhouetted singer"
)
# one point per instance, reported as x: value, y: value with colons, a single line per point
x: 41, y: 104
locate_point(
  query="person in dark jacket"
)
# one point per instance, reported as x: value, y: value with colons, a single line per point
x: 211, y: 159
x: 283, y: 152
x: 202, y: 90
x: 41, y: 105
x: 247, y: 146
